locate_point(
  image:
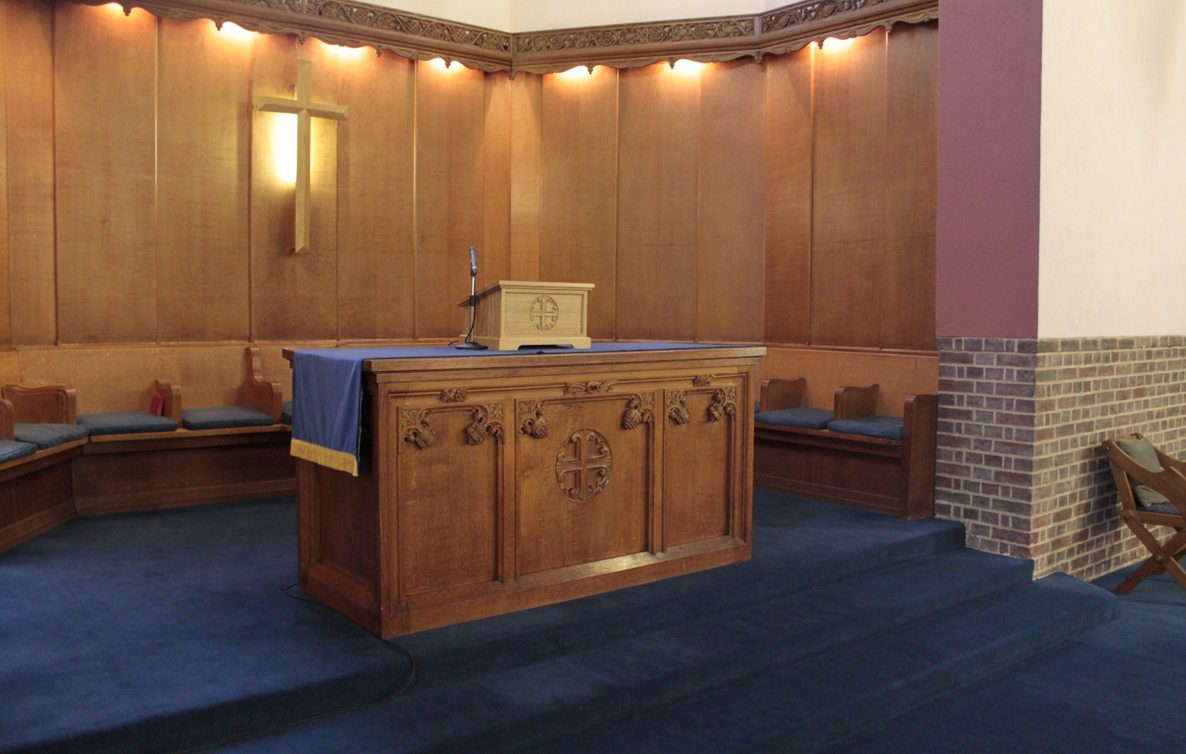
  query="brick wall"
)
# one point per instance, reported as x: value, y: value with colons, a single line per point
x: 1020, y: 424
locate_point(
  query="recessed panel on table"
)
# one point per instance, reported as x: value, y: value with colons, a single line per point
x: 583, y: 479
x: 698, y: 450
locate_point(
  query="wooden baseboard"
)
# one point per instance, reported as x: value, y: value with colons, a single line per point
x: 157, y: 499
x: 39, y: 523
x: 826, y: 493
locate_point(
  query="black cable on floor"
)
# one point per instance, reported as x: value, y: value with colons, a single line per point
x: 407, y: 685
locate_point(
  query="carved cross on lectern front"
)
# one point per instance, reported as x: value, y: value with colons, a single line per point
x: 305, y: 109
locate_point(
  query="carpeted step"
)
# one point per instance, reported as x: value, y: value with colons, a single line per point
x: 164, y: 630
x: 508, y: 710
x: 798, y: 544
x: 834, y: 695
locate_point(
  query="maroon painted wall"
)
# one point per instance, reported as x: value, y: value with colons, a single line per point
x: 990, y: 106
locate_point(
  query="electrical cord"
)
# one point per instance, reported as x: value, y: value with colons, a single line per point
x: 407, y: 685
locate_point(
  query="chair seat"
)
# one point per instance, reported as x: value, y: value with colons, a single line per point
x: 1167, y: 508
x: 46, y: 436
x: 224, y: 417
x: 884, y: 427
x: 801, y: 418
x: 126, y: 422
x: 11, y: 450
x: 286, y: 415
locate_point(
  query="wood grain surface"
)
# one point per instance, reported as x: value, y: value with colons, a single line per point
x: 105, y: 177
x: 658, y: 171
x: 579, y: 189
x: 203, y: 163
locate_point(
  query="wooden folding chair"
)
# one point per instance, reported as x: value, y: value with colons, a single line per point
x: 1170, y: 482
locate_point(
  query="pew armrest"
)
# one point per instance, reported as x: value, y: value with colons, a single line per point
x: 781, y: 394
x: 171, y: 396
x: 263, y: 396
x: 48, y: 403
x: 856, y: 401
x: 7, y: 421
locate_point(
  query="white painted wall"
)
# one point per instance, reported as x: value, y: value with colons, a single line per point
x: 489, y: 14
x: 1112, y: 248
x: 538, y: 15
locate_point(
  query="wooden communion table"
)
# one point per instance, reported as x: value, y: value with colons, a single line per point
x: 492, y: 483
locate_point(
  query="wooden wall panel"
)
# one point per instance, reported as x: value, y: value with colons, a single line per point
x: 898, y: 374
x: 376, y: 230
x: 105, y: 126
x: 5, y: 313
x: 789, y: 139
x: 29, y: 89
x: 578, y: 207
x: 658, y: 142
x: 908, y: 304
x: 494, y: 255
x: 203, y: 161
x: 731, y: 233
x: 292, y: 296
x: 526, y: 130
x: 848, y: 225
x: 449, y: 192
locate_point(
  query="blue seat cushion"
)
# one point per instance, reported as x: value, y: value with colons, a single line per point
x: 10, y: 450
x: 801, y: 418
x: 1167, y: 508
x: 126, y: 423
x: 48, y: 435
x: 224, y: 417
x: 287, y: 412
x: 885, y: 427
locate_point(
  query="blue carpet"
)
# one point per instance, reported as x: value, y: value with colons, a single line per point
x: 164, y: 630
x: 1112, y: 690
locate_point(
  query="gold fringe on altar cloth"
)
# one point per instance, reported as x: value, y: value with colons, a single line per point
x: 331, y: 459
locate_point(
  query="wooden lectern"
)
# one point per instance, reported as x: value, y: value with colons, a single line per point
x: 513, y: 313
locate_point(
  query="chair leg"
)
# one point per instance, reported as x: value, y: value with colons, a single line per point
x: 1164, y: 558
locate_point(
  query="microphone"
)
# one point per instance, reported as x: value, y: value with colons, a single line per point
x: 473, y: 301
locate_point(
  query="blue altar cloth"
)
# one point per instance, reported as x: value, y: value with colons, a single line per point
x: 327, y: 392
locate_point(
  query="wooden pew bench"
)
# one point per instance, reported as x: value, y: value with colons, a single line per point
x: 850, y: 455
x: 135, y: 460
x: 36, y: 484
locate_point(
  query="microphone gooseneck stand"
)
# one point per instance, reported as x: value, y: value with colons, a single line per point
x: 469, y: 343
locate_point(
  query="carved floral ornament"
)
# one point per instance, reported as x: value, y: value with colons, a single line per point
x: 359, y: 24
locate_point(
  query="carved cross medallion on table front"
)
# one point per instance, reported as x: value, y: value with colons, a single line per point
x: 583, y: 465
x: 305, y: 109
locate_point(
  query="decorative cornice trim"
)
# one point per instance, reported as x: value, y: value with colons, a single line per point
x: 705, y: 40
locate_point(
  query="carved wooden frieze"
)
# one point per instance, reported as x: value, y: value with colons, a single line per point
x: 358, y: 24
x: 487, y: 422
x: 640, y: 34
x: 454, y: 395
x: 583, y: 465
x: 415, y: 428
x: 702, y: 380
x: 640, y: 409
x: 580, y: 388
x: 724, y: 403
x: 677, y: 407
x: 803, y: 13
x: 531, y: 419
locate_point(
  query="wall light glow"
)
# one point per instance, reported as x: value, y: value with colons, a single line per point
x: 831, y: 44
x: 355, y: 53
x: 114, y: 8
x: 440, y: 64
x: 283, y: 139
x: 579, y: 73
x: 235, y: 33
x: 687, y: 67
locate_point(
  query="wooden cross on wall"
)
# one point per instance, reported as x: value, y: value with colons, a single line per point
x: 305, y: 109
